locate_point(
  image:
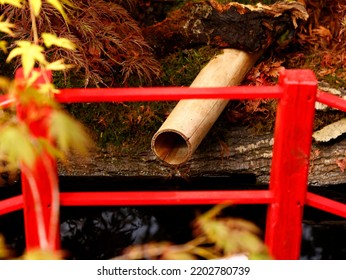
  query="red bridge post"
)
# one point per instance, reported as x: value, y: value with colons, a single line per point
x: 39, y: 182
x: 290, y: 163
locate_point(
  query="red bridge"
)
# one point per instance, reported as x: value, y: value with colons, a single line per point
x: 288, y: 190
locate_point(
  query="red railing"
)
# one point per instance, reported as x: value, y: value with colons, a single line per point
x: 287, y: 195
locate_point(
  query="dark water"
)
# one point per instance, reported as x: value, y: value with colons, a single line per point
x: 103, y: 232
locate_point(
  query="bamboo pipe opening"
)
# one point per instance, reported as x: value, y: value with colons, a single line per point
x: 171, y: 147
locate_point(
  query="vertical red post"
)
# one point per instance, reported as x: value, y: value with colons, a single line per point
x: 39, y: 183
x: 290, y: 163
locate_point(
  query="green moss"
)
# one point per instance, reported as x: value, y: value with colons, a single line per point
x: 68, y: 80
x: 130, y: 126
x: 124, y: 125
x: 182, y: 67
x: 334, y: 80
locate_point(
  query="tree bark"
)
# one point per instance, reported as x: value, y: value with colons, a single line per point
x: 244, y: 27
x: 240, y: 153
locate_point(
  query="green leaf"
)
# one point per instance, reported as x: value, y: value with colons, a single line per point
x: 51, y: 39
x: 36, y: 6
x: 51, y: 149
x: 15, y: 143
x: 213, y: 212
x: 68, y: 133
x: 30, y: 53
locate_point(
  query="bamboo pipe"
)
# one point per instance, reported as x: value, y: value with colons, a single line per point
x: 191, y: 119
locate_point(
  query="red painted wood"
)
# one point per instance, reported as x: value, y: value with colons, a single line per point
x: 288, y: 184
x: 11, y: 204
x: 331, y: 100
x: 39, y: 183
x: 290, y: 163
x: 164, y: 198
x: 38, y: 215
x: 165, y: 93
x: 326, y: 204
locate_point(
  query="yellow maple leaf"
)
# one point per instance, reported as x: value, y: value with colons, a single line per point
x: 51, y: 39
x: 19, y: 135
x: 58, y: 65
x: 57, y: 5
x: 6, y: 26
x: 36, y: 6
x: 3, y: 46
x: 5, y: 83
x: 16, y: 3
x: 69, y: 134
x: 48, y: 88
x: 30, y: 53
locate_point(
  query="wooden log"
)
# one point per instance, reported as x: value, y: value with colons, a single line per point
x: 249, y: 28
x: 232, y: 25
x: 190, y: 121
x: 243, y: 153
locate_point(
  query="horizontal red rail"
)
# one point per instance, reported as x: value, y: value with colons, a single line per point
x: 331, y: 100
x: 326, y: 204
x: 165, y: 93
x: 164, y: 198
x: 11, y: 204
x: 174, y: 197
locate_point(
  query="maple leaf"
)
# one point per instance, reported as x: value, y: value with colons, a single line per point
x: 30, y: 53
x: 3, y: 46
x: 274, y: 69
x: 68, y: 133
x: 57, y: 5
x: 58, y: 65
x: 16, y: 3
x: 4, y: 83
x: 6, y: 26
x: 48, y: 88
x: 36, y: 6
x: 19, y: 135
x: 51, y: 39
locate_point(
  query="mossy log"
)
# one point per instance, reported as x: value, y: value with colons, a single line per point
x: 244, y: 27
x: 240, y: 153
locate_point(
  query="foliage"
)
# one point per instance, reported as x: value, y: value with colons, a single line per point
x: 215, y: 238
x: 6, y: 253
x: 32, y: 123
x: 105, y: 40
x: 320, y: 43
x: 182, y: 67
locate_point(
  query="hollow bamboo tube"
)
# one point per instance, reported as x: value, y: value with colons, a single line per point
x: 191, y: 119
